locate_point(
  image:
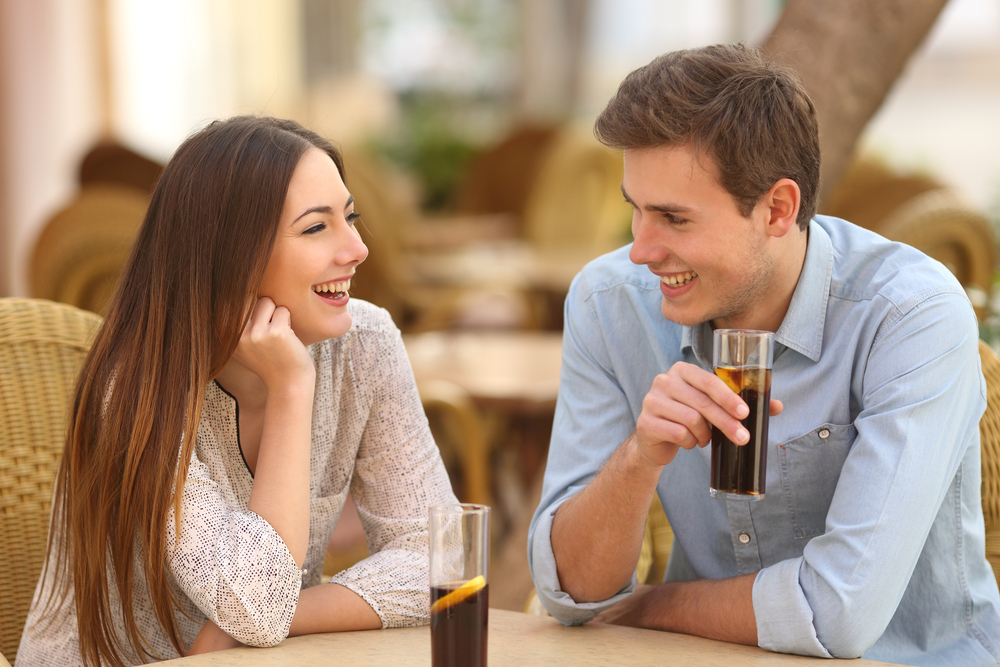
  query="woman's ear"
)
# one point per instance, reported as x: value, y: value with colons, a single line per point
x: 782, y: 202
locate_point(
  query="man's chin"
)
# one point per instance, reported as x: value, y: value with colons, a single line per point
x: 681, y: 316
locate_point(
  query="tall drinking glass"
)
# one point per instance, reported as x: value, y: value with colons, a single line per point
x: 459, y: 574
x: 742, y: 358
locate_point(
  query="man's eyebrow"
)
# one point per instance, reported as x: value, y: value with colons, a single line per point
x: 659, y: 208
x: 323, y: 209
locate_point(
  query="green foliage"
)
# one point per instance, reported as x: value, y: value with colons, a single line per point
x: 431, y: 145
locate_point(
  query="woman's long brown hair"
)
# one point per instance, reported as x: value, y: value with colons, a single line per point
x: 174, y: 321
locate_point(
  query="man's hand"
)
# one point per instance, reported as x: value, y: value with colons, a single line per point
x: 627, y: 612
x: 718, y: 609
x: 211, y: 638
x: 680, y: 409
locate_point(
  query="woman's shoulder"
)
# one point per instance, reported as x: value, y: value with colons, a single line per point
x: 369, y: 318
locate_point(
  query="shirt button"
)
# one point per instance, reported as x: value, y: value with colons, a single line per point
x: 824, y: 433
x: 744, y: 538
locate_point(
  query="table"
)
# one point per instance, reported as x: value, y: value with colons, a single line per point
x: 516, y: 640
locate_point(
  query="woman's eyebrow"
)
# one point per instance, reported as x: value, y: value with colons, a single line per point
x: 314, y: 209
x: 323, y: 209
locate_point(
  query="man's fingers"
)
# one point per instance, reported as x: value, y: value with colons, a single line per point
x: 681, y: 400
x: 776, y: 407
x: 713, y: 387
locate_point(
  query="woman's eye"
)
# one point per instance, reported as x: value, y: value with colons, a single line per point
x: 315, y: 229
x: 353, y: 217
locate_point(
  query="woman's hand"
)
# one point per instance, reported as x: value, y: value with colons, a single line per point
x: 270, y: 348
x: 211, y: 638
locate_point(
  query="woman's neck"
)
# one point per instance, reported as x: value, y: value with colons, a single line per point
x: 244, y: 385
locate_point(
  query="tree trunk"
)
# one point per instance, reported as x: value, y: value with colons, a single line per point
x: 848, y: 53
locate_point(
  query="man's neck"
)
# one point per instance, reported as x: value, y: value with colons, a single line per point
x: 767, y: 315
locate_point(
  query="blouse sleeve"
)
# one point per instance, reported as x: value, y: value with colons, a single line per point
x: 232, y: 564
x: 398, y: 474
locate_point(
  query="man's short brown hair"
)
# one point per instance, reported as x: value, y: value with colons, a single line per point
x: 753, y: 118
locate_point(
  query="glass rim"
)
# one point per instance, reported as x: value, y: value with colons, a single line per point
x: 742, y: 332
x: 459, y: 508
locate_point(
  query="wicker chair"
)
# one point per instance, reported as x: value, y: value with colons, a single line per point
x: 42, y: 345
x: 459, y: 431
x: 82, y: 249
x: 916, y: 210
x: 989, y: 434
x: 576, y: 201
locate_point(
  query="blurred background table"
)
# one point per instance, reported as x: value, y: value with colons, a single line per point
x: 515, y: 371
x: 515, y: 639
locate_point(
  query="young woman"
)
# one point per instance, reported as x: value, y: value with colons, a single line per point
x: 233, y: 397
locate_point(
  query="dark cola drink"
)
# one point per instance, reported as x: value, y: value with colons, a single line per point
x: 459, y: 626
x: 740, y: 469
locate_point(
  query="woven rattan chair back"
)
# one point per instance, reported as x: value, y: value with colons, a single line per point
x: 42, y: 345
x: 83, y: 248
x: 989, y: 435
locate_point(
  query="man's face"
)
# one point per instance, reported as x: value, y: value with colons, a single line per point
x: 713, y: 263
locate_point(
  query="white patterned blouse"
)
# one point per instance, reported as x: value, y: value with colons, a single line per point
x: 369, y: 437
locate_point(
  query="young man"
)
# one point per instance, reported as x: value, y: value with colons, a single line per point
x: 870, y: 539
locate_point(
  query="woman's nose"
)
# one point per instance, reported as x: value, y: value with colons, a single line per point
x: 353, y: 250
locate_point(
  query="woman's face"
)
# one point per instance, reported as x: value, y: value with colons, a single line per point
x: 316, y: 251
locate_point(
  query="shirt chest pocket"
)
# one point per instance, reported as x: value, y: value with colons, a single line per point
x: 810, y: 468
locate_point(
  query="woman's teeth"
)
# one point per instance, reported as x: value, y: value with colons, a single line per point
x: 679, y: 279
x: 340, y: 286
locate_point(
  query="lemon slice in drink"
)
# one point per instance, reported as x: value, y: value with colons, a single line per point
x: 460, y: 594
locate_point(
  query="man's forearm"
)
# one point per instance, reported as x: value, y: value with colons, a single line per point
x: 597, y: 534
x: 716, y: 609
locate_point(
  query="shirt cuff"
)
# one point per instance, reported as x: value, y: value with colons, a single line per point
x: 784, y: 617
x: 543, y: 569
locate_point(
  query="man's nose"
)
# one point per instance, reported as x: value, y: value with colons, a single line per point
x: 644, y: 250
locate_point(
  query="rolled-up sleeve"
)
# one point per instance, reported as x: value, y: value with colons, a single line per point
x: 592, y: 419
x: 398, y: 474
x: 232, y: 564
x: 923, y: 395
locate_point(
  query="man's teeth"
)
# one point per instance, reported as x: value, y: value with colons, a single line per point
x: 338, y: 286
x: 679, y: 279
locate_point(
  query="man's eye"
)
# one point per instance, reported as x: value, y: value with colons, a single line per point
x: 315, y: 229
x: 673, y: 219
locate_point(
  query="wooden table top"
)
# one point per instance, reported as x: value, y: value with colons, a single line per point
x: 507, y: 368
x: 515, y: 640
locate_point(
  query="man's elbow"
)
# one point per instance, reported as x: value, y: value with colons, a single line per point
x: 847, y: 634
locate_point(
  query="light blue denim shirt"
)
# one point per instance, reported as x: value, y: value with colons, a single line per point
x: 870, y: 540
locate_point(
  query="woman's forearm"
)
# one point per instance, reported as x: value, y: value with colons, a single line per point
x: 332, y: 608
x: 281, y: 481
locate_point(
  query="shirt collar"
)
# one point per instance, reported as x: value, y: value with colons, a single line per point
x: 802, y: 328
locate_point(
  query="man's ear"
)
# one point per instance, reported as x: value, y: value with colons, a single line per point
x: 781, y: 202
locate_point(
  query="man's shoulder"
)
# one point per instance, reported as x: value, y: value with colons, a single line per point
x: 867, y: 266
x: 613, y: 270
